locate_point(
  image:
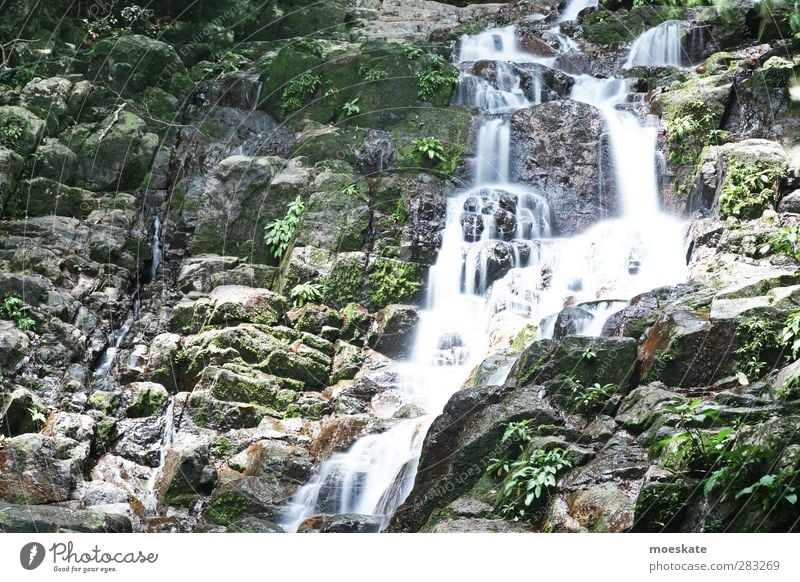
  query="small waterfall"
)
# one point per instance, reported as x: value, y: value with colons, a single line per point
x: 158, y: 248
x: 659, y: 46
x: 574, y: 8
x: 115, y: 339
x: 150, y: 500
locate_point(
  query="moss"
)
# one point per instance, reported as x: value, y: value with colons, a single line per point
x: 345, y: 282
x: 223, y: 446
x: 749, y: 188
x: 105, y: 433
x: 623, y: 26
x: 105, y: 402
x: 227, y: 508
x: 148, y: 402
x: 229, y: 385
x: 393, y: 281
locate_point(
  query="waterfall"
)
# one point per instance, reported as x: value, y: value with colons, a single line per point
x: 499, y: 268
x: 158, y: 248
x: 150, y: 498
x: 115, y: 339
x: 659, y: 46
x: 574, y: 7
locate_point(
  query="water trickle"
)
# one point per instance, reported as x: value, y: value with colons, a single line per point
x: 574, y: 8
x: 158, y: 248
x: 659, y: 46
x: 150, y: 498
x: 115, y: 339
x: 498, y: 269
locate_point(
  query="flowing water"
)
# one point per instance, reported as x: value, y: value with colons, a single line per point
x: 659, y: 46
x: 500, y: 268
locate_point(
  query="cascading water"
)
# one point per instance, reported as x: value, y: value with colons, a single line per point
x: 115, y: 340
x: 158, y: 248
x: 574, y: 8
x: 498, y: 269
x: 659, y: 46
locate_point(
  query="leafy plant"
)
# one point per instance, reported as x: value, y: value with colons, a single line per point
x: 351, y: 108
x: 412, y: 52
x: 26, y: 323
x: 695, y: 445
x: 794, y: 19
x: 306, y: 293
x: 786, y: 241
x: 37, y: 416
x: 530, y: 477
x: 372, y: 73
x: 748, y: 188
x: 10, y: 135
x: 437, y: 74
x: 590, y: 398
x: 281, y: 232
x: 231, y: 62
x: 588, y: 354
x: 308, y: 46
x: 759, y: 341
x: 14, y: 309
x: 353, y: 190
x: 790, y: 336
x: 429, y: 148
x: 298, y: 92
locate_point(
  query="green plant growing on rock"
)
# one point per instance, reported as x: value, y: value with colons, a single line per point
x: 694, y: 445
x: 372, y: 73
x: 592, y: 397
x: 308, y: 46
x: 436, y: 75
x: 429, y: 148
x: 37, y: 416
x: 412, y: 52
x: 298, y: 92
x: 530, y: 477
x: 786, y: 241
x: 790, y: 390
x: 10, y: 135
x: 351, y: 108
x: 14, y: 309
x: 306, y: 293
x: 790, y: 336
x: 281, y: 232
x: 759, y: 341
x: 748, y: 189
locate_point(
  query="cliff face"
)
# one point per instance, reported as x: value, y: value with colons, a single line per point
x: 217, y: 224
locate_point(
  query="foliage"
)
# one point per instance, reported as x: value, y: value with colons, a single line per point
x: 372, y: 73
x: 281, y: 232
x: 689, y: 128
x: 695, y: 448
x: 306, y: 293
x: 790, y: 336
x: 10, y: 135
x: 794, y: 19
x: 790, y: 389
x: 592, y: 397
x: 14, y: 309
x: 354, y: 190
x: 298, y: 92
x: 759, y: 339
x: 351, y: 108
x: 588, y: 354
x: 231, y: 62
x: 308, y: 46
x: 412, y: 52
x: 37, y: 416
x: 531, y: 477
x: 429, y: 148
x: 109, y: 22
x: 785, y: 241
x: 393, y: 282
x: 436, y: 75
x: 748, y: 189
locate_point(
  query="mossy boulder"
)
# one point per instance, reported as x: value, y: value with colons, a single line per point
x: 623, y: 26
x: 21, y: 412
x: 55, y: 161
x: 49, y: 99
x: 11, y: 166
x: 20, y: 130
x: 51, y: 519
x: 661, y: 507
x: 46, y: 197
x: 236, y: 383
x: 345, y: 281
x: 145, y: 399
x: 297, y: 18
x: 208, y: 412
x: 186, y: 476
x: 393, y: 281
x: 119, y: 154
x: 132, y: 63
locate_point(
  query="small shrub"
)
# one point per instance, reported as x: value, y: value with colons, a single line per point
x: 306, y: 293
x: 429, y: 148
x: 298, y: 92
x: 436, y: 75
x: 531, y: 477
x: 351, y: 108
x: 281, y: 232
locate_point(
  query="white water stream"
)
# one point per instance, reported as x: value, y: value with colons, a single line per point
x: 499, y: 269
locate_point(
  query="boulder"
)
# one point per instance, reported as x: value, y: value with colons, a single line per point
x: 49, y: 100
x: 344, y: 523
x: 49, y: 519
x: 187, y: 475
x: 39, y: 469
x: 20, y: 130
x: 131, y: 63
x: 14, y: 345
x: 393, y: 330
x: 557, y: 148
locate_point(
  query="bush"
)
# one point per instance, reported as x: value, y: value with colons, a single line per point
x: 280, y: 232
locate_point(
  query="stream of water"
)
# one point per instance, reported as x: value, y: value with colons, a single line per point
x: 500, y: 268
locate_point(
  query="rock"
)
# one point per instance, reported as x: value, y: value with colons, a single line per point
x: 235, y: 303
x: 203, y: 273
x: 48, y: 519
x: 247, y: 496
x: 278, y: 461
x: 460, y: 443
x: 45, y: 197
x: 790, y: 202
x: 187, y: 475
x: 78, y: 427
x: 641, y: 408
x: 131, y: 63
x: 239, y: 202
x: 14, y: 345
x: 20, y: 130
x: 140, y: 440
x: 479, y: 525
x: 55, y: 161
x: 234, y: 383
x: 345, y: 523
x: 338, y: 434
x: 21, y: 412
x: 38, y: 469
x: 49, y: 100
x: 337, y: 221
x: 393, y: 330
x: 557, y: 148
x: 11, y: 165
x: 119, y: 155
x: 144, y: 399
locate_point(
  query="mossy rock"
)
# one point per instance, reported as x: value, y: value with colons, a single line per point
x: 119, y: 154
x: 148, y: 399
x: 20, y: 130
x: 393, y: 282
x: 296, y: 18
x: 11, y: 166
x: 46, y: 197
x: 623, y: 26
x: 235, y: 383
x: 661, y: 507
x: 55, y: 161
x: 345, y: 282
x: 133, y: 63
x: 208, y: 412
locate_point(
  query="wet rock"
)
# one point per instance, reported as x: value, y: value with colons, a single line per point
x: 144, y: 399
x: 338, y: 434
x: 346, y: 363
x: 557, y: 148
x: 570, y: 321
x: 344, y: 523
x: 27, y: 130
x: 247, y: 496
x: 393, y: 330
x: 139, y: 440
x: 21, y: 412
x: 132, y: 63
x: 187, y: 475
x: 642, y: 407
x: 472, y: 226
x: 49, y: 100
x: 48, y: 519
x: 39, y: 469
